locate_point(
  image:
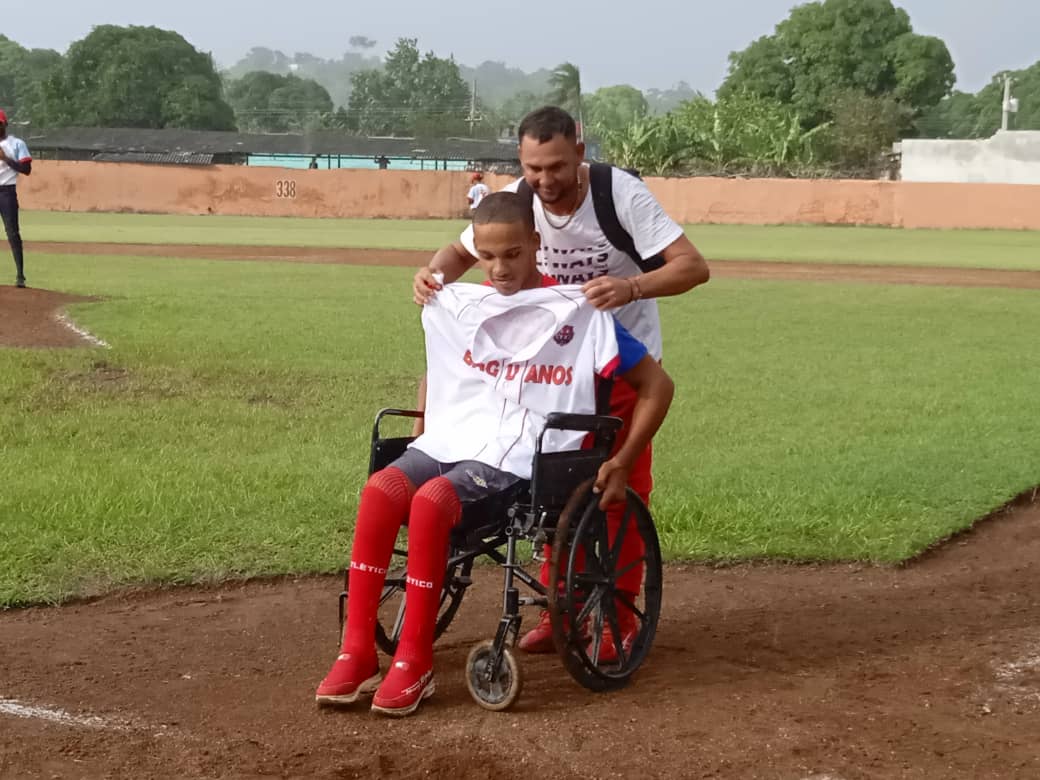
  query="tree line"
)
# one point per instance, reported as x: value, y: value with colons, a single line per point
x: 828, y: 93
x: 152, y: 78
x: 834, y: 85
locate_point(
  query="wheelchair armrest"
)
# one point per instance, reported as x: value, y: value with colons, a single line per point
x: 593, y: 423
x: 391, y: 413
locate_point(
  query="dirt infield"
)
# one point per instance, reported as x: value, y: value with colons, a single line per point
x: 759, y: 671
x: 838, y: 672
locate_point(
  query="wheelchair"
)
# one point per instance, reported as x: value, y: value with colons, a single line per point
x: 556, y: 507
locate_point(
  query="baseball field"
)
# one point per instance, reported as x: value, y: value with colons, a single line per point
x: 845, y: 486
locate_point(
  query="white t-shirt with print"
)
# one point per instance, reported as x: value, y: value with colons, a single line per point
x: 16, y: 149
x: 477, y: 193
x: 580, y: 251
x: 497, y: 366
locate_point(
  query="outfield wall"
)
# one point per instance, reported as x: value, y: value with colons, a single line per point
x: 238, y: 190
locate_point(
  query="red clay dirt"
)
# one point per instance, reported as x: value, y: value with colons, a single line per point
x: 930, y: 670
x: 759, y: 671
x: 29, y: 318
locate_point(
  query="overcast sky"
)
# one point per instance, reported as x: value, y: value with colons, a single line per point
x: 648, y: 43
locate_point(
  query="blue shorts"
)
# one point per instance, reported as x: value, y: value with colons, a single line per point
x: 471, y: 479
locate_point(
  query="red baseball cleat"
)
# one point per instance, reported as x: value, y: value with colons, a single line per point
x: 348, y: 680
x: 540, y: 638
x: 403, y: 690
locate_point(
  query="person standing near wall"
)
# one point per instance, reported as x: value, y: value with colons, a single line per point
x: 477, y: 192
x: 14, y: 160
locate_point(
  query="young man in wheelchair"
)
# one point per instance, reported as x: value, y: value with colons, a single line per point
x: 498, y: 362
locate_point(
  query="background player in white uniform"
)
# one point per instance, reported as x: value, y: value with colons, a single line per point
x: 477, y: 192
x: 575, y: 249
x: 14, y: 159
x: 430, y: 492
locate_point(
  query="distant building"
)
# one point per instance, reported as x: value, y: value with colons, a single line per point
x: 329, y: 148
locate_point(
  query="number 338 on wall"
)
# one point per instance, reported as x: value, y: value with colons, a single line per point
x: 285, y: 188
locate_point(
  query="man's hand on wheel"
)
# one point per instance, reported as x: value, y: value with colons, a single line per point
x: 610, y: 483
x: 424, y: 286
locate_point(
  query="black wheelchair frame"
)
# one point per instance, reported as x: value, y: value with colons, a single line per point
x: 557, y: 507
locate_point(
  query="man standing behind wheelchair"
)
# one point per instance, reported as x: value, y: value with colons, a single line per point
x: 430, y: 493
x: 577, y: 247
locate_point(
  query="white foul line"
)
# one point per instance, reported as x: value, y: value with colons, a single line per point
x: 20, y: 710
x: 62, y: 319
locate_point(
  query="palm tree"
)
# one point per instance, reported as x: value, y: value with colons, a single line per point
x: 565, y: 90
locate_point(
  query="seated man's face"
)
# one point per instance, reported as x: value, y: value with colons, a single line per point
x: 508, y: 254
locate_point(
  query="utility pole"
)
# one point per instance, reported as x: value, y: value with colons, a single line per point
x: 473, y: 117
x: 1010, y: 105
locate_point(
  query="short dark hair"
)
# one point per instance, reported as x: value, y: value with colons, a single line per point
x: 504, y: 208
x: 544, y: 123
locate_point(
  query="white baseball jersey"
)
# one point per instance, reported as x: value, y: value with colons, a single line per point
x: 580, y: 251
x: 497, y: 365
x: 477, y: 193
x: 16, y: 149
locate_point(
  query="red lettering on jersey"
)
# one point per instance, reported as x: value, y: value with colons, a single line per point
x: 512, y: 371
x: 493, y: 367
x: 468, y: 358
x: 544, y: 375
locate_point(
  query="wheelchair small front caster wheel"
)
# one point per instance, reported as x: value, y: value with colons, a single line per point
x: 493, y: 688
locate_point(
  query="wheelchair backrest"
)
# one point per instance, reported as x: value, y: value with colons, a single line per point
x: 386, y: 451
x: 558, y: 474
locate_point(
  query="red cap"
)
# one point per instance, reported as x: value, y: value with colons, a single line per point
x: 475, y: 177
x: 3, y: 116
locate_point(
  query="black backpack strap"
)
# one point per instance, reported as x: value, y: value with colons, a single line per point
x: 602, y: 187
x: 524, y: 190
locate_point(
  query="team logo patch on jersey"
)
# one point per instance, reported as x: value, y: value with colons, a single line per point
x: 564, y: 336
x: 478, y: 480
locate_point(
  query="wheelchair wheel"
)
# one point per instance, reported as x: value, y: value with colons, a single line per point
x: 493, y: 689
x: 603, y: 626
x: 390, y: 617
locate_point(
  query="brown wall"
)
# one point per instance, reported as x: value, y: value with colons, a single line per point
x: 87, y: 186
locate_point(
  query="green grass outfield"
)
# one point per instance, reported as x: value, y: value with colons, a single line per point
x: 1018, y: 250
x: 224, y: 434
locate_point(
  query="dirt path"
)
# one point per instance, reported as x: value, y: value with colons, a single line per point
x: 34, y: 318
x: 737, y: 269
x: 759, y: 671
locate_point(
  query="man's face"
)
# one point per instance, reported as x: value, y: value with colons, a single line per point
x: 508, y: 254
x: 551, y: 168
